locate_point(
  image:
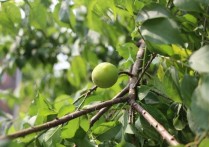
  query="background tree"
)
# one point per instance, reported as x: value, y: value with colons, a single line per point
x: 162, y: 46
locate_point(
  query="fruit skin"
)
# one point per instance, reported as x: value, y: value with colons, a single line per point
x: 105, y: 75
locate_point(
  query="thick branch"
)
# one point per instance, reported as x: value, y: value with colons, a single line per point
x: 64, y: 119
x: 135, y: 71
x: 133, y: 93
x: 158, y: 127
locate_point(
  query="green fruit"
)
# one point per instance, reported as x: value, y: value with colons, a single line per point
x: 105, y: 75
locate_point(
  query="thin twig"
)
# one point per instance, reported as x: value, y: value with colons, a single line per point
x: 145, y: 69
x: 125, y: 72
x: 64, y: 119
x: 160, y: 94
x: 86, y: 94
x: 103, y: 110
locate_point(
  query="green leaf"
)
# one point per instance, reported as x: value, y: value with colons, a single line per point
x: 204, y: 92
x: 64, y: 14
x: 64, y: 105
x: 161, y: 31
x: 70, y: 130
x: 162, y: 49
x: 188, y: 5
x: 58, y: 19
x: 143, y: 90
x: 10, y: 17
x: 178, y: 123
x: 198, y: 114
x: 151, y: 12
x: 77, y: 72
x: 127, y: 51
x: 12, y: 12
x: 123, y: 143
x: 7, y: 143
x: 188, y: 86
x: 38, y: 16
x: 129, y: 129
x: 44, y: 107
x: 41, y: 107
x: 168, y: 84
x: 180, y: 53
x: 51, y: 137
x: 204, y: 142
x: 190, y: 18
x: 107, y: 130
x: 81, y: 138
x: 199, y: 60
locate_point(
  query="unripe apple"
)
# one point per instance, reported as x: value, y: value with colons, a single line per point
x: 105, y: 75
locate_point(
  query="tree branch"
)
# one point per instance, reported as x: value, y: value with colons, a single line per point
x: 86, y: 94
x: 145, y: 69
x: 126, y: 73
x: 103, y: 110
x: 158, y: 127
x: 133, y: 93
x: 64, y: 119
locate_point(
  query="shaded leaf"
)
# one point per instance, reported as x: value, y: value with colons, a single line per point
x: 143, y: 90
x: 188, y: 86
x: 107, y: 130
x: 161, y: 31
x: 178, y: 123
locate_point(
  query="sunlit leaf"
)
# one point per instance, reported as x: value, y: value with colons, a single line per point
x: 199, y: 60
x: 38, y: 16
x: 152, y: 11
x: 204, y: 142
x: 168, y: 85
x: 77, y: 71
x: 127, y: 51
x: 10, y: 17
x: 51, y: 137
